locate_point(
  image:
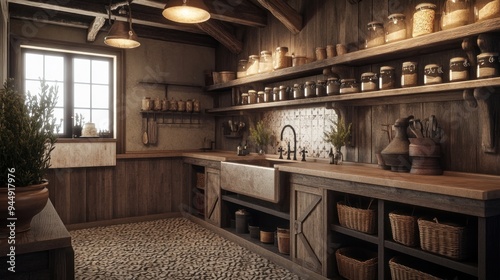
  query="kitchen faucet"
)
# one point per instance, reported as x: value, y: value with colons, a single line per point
x: 294, y: 143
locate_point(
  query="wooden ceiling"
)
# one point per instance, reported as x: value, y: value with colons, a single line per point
x: 226, y: 17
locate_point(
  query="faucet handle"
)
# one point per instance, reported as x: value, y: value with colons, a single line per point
x: 280, y: 150
x: 303, y: 152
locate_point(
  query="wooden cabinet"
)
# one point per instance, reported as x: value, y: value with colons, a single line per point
x: 212, y: 196
x: 309, y: 228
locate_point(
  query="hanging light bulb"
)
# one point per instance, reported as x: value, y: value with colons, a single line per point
x: 186, y: 11
x: 121, y: 35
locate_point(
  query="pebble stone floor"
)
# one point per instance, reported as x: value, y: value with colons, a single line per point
x: 166, y: 249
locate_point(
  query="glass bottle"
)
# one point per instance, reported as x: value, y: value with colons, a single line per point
x: 409, y: 77
x: 395, y: 28
x: 433, y: 74
x: 487, y: 9
x: 280, y: 60
x: 455, y: 13
x: 459, y: 69
x: 488, y: 65
x: 265, y: 62
x: 253, y: 65
x: 331, y: 156
x: 375, y: 36
x: 369, y: 81
x: 423, y: 19
x: 242, y: 68
x: 387, y: 78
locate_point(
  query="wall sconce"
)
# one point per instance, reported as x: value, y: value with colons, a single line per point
x: 186, y: 11
x: 121, y: 35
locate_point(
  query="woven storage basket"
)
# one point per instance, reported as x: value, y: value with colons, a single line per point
x: 401, y: 271
x: 356, y: 263
x: 363, y: 220
x: 404, y: 228
x: 443, y: 239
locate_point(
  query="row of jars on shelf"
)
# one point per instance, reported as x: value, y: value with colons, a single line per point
x: 488, y: 66
x: 164, y: 104
x: 455, y: 13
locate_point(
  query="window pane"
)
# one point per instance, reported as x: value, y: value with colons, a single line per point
x: 54, y: 68
x: 100, y: 72
x: 81, y: 68
x: 101, y: 119
x: 100, y: 97
x: 59, y: 116
x: 85, y: 114
x: 82, y: 96
x: 33, y: 66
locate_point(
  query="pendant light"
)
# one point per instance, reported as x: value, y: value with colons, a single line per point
x: 121, y: 35
x: 186, y: 11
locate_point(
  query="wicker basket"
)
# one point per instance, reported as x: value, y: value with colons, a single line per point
x: 443, y: 239
x: 400, y: 270
x: 200, y: 180
x: 356, y: 263
x: 404, y: 228
x: 363, y: 220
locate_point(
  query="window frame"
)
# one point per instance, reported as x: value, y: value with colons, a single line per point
x: 16, y: 69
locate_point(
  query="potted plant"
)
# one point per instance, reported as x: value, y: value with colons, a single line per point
x: 78, y: 126
x: 338, y: 136
x: 260, y: 135
x: 27, y: 138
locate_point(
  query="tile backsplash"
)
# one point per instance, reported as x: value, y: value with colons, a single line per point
x: 309, y: 125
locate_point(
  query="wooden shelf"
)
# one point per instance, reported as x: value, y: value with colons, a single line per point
x: 447, y: 39
x: 276, y: 213
x: 271, y: 247
x: 468, y: 268
x: 363, y: 98
x: 356, y: 234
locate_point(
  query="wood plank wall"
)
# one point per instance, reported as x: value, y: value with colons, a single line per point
x: 332, y: 22
x: 133, y: 188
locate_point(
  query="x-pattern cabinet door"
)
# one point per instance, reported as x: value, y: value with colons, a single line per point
x: 212, y: 196
x: 308, y: 228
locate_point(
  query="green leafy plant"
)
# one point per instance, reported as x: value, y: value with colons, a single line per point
x: 339, y: 133
x: 27, y: 133
x: 259, y: 134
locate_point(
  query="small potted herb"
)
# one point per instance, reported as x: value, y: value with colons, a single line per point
x: 260, y: 135
x: 338, y: 136
x: 78, y: 126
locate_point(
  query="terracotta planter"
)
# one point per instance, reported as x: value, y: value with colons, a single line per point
x: 29, y: 201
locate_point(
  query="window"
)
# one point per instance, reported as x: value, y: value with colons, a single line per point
x: 85, y: 85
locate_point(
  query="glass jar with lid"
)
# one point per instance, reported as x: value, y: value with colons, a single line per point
x: 387, y: 78
x: 242, y: 68
x: 375, y: 36
x: 265, y: 62
x: 455, y: 13
x: 276, y: 94
x: 268, y: 94
x: 348, y: 86
x: 253, y: 65
x: 283, y: 94
x: 459, y: 69
x: 423, y: 19
x: 369, y: 81
x: 488, y: 65
x: 244, y: 98
x: 320, y: 88
x: 298, y: 91
x: 320, y: 53
x: 487, y: 9
x: 280, y: 59
x: 395, y: 28
x: 252, y: 96
x: 310, y: 89
x: 409, y: 76
x: 332, y: 86
x: 260, y: 96
x: 433, y: 74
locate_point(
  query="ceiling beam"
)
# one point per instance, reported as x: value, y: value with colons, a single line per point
x: 94, y: 28
x: 284, y: 13
x: 220, y: 33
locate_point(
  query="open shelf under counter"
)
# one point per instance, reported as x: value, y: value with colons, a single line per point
x: 234, y: 199
x: 447, y: 92
x: 466, y: 266
x: 357, y: 234
x: 445, y: 39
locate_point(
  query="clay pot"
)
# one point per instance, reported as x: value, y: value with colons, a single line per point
x: 29, y: 201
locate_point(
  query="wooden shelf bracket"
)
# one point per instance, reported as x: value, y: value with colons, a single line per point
x: 481, y: 98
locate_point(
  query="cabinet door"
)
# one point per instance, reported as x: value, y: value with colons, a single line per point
x: 212, y: 196
x: 308, y: 228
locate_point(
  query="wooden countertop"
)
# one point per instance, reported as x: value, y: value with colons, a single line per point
x: 466, y: 185
x: 47, y: 233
